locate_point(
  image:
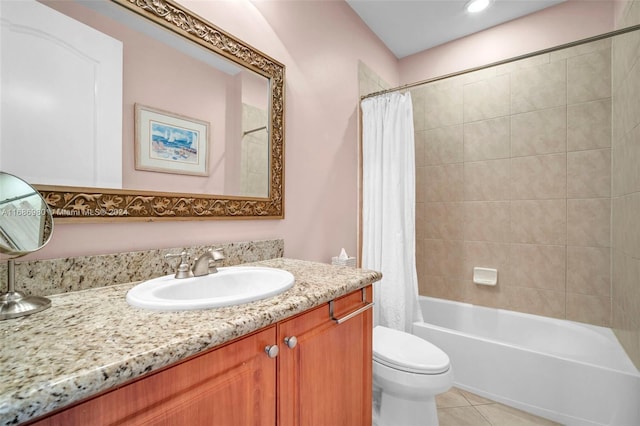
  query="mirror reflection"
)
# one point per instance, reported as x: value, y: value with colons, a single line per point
x: 106, y: 60
x: 25, y: 219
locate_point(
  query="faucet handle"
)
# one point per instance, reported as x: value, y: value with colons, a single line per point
x: 216, y: 253
x: 184, y: 270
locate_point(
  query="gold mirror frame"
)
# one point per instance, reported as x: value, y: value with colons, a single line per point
x: 95, y: 204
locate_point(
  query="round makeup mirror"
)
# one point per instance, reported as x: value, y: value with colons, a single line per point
x: 26, y: 225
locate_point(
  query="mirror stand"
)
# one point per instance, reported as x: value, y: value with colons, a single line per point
x: 14, y: 304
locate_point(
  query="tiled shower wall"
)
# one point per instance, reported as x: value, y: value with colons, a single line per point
x: 514, y: 173
x: 254, y: 166
x: 626, y: 185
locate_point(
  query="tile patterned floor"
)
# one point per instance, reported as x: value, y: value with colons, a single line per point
x: 461, y: 408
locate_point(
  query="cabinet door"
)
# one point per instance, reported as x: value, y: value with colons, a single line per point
x: 326, y: 378
x: 230, y: 386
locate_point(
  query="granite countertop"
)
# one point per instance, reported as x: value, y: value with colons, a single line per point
x: 92, y: 340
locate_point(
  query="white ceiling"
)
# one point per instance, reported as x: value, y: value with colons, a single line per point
x: 410, y: 26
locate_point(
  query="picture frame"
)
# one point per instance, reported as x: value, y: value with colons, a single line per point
x: 170, y: 143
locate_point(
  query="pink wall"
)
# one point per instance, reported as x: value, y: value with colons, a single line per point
x: 569, y: 21
x: 320, y: 43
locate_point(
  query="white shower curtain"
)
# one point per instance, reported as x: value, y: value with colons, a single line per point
x: 388, y: 207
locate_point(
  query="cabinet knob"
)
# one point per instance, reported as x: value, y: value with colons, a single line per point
x: 272, y: 351
x: 291, y: 341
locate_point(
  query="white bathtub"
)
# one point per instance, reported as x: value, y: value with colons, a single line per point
x: 569, y: 372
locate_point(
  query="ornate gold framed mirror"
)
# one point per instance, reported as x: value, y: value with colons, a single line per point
x: 89, y: 203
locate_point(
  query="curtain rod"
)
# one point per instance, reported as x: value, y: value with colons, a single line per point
x: 506, y: 61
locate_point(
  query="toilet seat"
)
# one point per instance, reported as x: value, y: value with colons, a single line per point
x: 406, y: 352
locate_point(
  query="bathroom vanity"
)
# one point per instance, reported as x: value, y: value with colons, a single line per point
x: 93, y: 359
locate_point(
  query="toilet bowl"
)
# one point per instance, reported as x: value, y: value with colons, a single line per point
x: 408, y: 372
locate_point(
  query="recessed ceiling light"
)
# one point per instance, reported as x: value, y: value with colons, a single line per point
x: 475, y: 6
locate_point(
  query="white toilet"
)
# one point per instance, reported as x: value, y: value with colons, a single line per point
x: 408, y: 373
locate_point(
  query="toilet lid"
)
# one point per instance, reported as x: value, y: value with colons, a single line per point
x: 406, y: 352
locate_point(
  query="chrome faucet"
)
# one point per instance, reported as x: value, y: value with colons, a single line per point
x: 206, y: 264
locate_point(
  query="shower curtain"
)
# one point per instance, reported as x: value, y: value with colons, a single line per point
x: 388, y: 207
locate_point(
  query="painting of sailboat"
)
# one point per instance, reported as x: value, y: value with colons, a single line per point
x: 170, y: 143
x: 173, y: 143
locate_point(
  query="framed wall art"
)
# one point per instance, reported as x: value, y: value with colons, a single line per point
x: 170, y: 143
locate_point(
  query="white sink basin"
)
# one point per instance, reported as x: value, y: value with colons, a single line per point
x: 229, y: 286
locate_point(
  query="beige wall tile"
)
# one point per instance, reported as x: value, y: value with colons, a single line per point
x: 589, y: 77
x: 633, y: 221
x: 442, y: 106
x: 486, y: 221
x: 539, y: 222
x: 618, y: 132
x: 444, y: 258
x: 537, y: 88
x: 538, y: 177
x: 536, y: 301
x: 626, y: 331
x: 547, y: 151
x: 486, y: 99
x: 443, y: 183
x: 538, y: 266
x: 486, y: 255
x: 624, y: 230
x: 589, y: 125
x: 531, y: 62
x: 626, y: 220
x: 487, y: 139
x: 620, y: 268
x: 617, y: 170
x: 421, y: 183
x: 486, y: 180
x: 625, y: 173
x: 421, y: 221
x: 590, y: 309
x: 626, y: 294
x: 588, y: 270
x: 421, y: 268
x: 417, y: 103
x: 475, y: 76
x: 443, y: 220
x: 419, y: 142
x: 588, y: 222
x: 443, y: 145
x: 624, y: 54
x: 589, y: 173
x: 435, y: 286
x: 539, y: 132
x: 581, y: 49
x: 627, y: 104
x: 483, y: 295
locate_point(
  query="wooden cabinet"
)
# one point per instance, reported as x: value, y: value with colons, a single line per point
x: 324, y: 379
x: 228, y: 386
